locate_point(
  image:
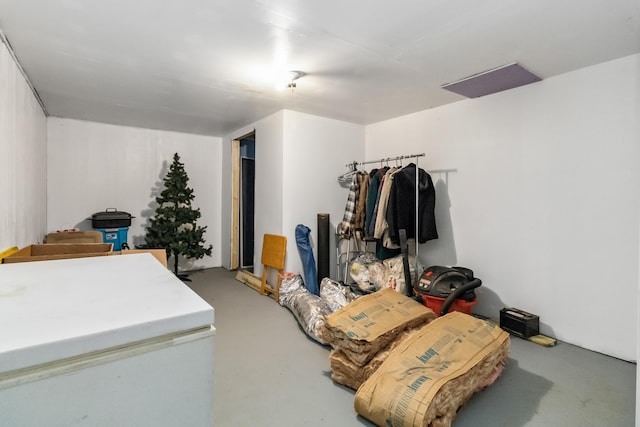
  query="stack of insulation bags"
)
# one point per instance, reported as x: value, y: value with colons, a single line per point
x: 363, y: 333
x: 410, y: 368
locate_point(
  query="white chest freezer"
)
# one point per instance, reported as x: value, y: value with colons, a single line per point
x: 103, y: 341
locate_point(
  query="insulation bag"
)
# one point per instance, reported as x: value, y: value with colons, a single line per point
x: 367, y: 325
x: 347, y: 373
x: 431, y: 374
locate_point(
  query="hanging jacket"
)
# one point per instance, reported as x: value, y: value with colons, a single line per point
x: 372, y: 225
x: 345, y: 228
x: 372, y: 194
x: 401, y: 205
x: 361, y: 203
x: 381, y: 220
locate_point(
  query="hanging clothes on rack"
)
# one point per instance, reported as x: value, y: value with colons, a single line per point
x: 354, y: 213
x: 385, y: 248
x: 372, y: 195
x: 345, y: 228
x: 371, y: 229
x: 361, y: 204
x: 376, y: 210
x: 402, y: 205
x: 381, y: 221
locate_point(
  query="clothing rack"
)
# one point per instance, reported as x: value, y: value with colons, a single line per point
x: 386, y: 159
x: 353, y: 166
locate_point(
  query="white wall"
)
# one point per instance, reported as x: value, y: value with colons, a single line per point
x: 637, y: 90
x: 23, y: 159
x: 94, y: 166
x: 543, y: 199
x: 316, y: 150
x: 268, y: 181
x: 638, y: 320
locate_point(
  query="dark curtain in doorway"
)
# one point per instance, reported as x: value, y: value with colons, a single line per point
x: 248, y: 211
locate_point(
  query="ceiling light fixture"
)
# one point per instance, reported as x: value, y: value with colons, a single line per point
x: 289, y: 80
x: 293, y: 76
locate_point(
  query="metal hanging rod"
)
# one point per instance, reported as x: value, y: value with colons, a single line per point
x: 386, y: 159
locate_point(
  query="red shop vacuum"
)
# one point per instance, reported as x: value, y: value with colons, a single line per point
x: 446, y: 289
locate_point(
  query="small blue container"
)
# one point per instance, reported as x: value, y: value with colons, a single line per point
x: 117, y: 236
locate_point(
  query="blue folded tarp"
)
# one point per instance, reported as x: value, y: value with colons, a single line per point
x: 308, y: 260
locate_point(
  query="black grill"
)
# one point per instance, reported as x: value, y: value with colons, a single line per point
x: 111, y: 218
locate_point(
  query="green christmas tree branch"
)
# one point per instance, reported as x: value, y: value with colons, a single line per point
x: 174, y: 226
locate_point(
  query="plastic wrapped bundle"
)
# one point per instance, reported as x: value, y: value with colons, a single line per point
x: 395, y: 273
x: 379, y: 275
x: 372, y: 274
x: 310, y: 310
x: 359, y: 271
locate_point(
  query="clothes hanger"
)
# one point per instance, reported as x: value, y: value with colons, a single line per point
x: 347, y: 177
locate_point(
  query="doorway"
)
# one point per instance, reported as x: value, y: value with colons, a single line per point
x: 243, y: 235
x: 247, y: 200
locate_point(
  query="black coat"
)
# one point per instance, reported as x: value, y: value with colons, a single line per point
x: 402, y: 207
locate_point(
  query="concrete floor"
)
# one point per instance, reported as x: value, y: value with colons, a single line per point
x: 269, y: 373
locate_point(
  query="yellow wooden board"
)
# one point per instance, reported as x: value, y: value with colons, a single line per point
x: 8, y: 252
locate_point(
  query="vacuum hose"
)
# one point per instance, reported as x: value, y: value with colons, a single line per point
x: 458, y: 292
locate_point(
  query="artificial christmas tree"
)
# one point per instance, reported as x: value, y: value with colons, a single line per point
x: 174, y: 225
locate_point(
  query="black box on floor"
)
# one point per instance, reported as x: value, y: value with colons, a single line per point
x: 519, y: 322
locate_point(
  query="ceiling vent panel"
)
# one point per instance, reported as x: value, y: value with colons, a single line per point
x: 491, y: 81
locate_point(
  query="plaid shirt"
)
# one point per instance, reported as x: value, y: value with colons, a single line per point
x: 345, y: 228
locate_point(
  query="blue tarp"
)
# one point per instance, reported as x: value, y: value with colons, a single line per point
x: 308, y: 260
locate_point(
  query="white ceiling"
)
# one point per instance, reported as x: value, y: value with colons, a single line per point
x: 204, y: 66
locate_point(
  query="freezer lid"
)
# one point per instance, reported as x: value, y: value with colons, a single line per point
x: 51, y: 310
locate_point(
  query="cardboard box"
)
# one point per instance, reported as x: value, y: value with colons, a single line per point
x: 159, y: 254
x: 58, y: 251
x: 87, y: 236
